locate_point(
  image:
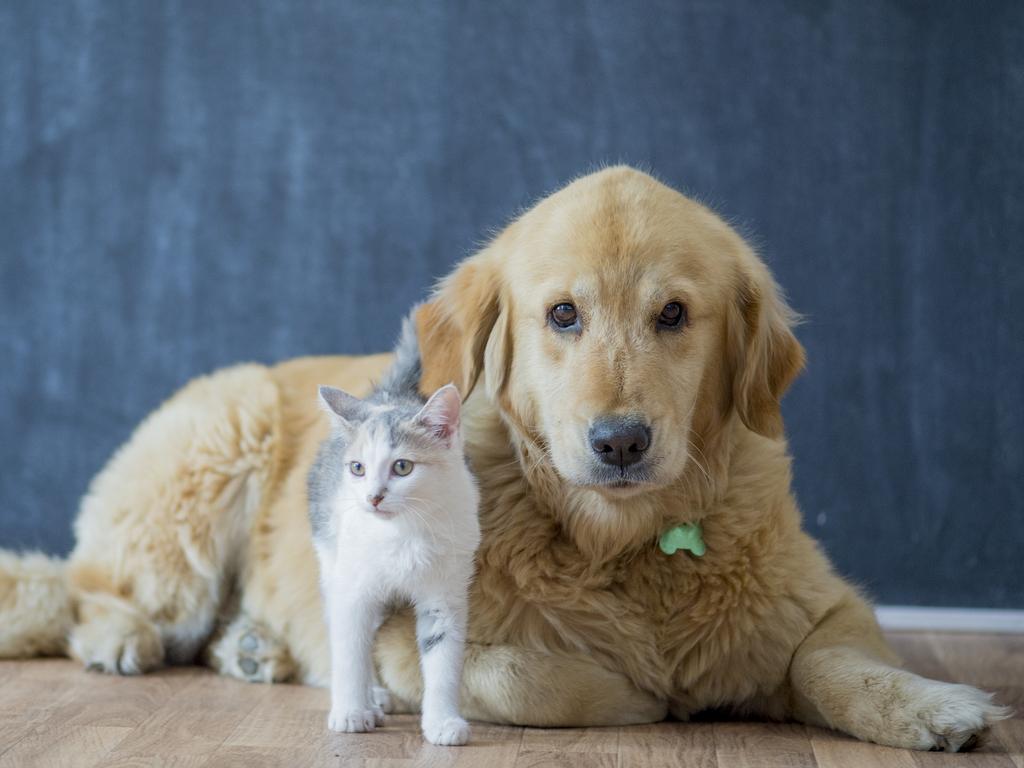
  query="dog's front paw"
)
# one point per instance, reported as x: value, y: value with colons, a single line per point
x: 954, y: 718
x: 346, y: 720
x: 900, y: 709
x: 449, y: 732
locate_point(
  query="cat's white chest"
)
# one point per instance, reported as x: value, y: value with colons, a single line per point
x: 384, y: 555
x: 407, y: 558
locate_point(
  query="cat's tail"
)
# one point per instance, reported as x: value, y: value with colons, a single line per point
x: 403, y: 377
x: 35, y: 606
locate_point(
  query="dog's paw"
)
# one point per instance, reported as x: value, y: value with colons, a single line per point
x: 116, y: 648
x: 900, y: 709
x: 249, y: 652
x: 953, y: 718
x: 448, y: 732
x: 357, y: 720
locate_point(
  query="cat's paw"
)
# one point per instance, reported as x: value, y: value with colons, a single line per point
x: 449, y: 732
x: 354, y: 720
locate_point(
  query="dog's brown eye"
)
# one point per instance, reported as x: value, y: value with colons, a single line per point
x: 564, y: 315
x: 672, y: 314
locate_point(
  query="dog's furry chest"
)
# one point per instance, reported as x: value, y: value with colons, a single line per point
x: 675, y: 624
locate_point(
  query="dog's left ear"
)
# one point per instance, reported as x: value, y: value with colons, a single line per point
x: 768, y: 357
x: 455, y: 326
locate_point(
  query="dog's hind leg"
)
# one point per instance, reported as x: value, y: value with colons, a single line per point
x: 162, y: 527
x: 113, y: 635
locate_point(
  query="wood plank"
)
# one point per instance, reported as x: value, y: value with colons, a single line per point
x: 271, y: 757
x: 156, y: 761
x: 986, y: 661
x: 296, y: 730
x: 597, y: 740
x: 556, y: 759
x: 54, y: 714
x: 1008, y: 736
x: 195, y: 721
x: 918, y: 653
x: 64, y: 747
x: 994, y: 663
x: 976, y: 759
x: 837, y: 750
x: 293, y: 717
x: 668, y: 744
x: 492, y: 746
x: 113, y: 700
x: 763, y: 745
x: 15, y: 726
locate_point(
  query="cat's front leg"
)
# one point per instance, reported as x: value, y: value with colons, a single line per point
x: 441, y: 635
x: 353, y: 623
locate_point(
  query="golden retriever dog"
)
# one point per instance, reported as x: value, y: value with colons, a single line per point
x: 623, y: 352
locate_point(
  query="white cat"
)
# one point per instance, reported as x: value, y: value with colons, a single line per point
x: 393, y: 506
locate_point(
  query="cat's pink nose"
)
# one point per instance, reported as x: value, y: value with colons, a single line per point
x: 375, y: 500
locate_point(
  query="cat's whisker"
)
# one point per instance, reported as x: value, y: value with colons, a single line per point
x: 429, y: 503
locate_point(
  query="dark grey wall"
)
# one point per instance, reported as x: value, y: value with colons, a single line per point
x: 186, y: 185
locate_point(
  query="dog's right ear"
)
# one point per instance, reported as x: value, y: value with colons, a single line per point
x: 453, y: 327
x: 768, y: 355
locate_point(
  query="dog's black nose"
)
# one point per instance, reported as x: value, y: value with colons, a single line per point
x: 619, y: 441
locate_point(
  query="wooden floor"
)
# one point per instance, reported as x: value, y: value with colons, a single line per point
x: 53, y: 714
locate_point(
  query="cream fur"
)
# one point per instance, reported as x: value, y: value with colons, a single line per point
x: 576, y: 617
x: 34, y: 606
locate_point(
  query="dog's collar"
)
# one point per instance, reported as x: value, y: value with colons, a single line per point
x: 688, y: 536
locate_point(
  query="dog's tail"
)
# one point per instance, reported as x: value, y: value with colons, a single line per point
x: 403, y: 377
x: 35, y: 606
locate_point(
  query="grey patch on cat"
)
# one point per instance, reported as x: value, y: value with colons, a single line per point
x: 322, y: 484
x: 403, y: 430
x: 427, y: 643
x: 398, y: 393
x: 343, y: 404
x: 432, y: 625
x: 391, y: 411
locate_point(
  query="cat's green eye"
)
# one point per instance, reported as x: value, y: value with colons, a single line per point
x: 356, y: 468
x: 402, y: 467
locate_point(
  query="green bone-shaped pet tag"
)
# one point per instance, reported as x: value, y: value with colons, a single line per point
x: 687, y: 536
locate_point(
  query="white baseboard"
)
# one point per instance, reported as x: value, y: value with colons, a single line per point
x: 905, y: 617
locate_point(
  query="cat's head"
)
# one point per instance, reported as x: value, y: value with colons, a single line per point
x: 396, y: 457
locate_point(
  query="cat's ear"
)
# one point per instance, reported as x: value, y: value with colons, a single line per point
x: 441, y: 413
x: 341, y: 404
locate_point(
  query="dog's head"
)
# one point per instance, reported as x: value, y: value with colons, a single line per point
x: 617, y: 325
